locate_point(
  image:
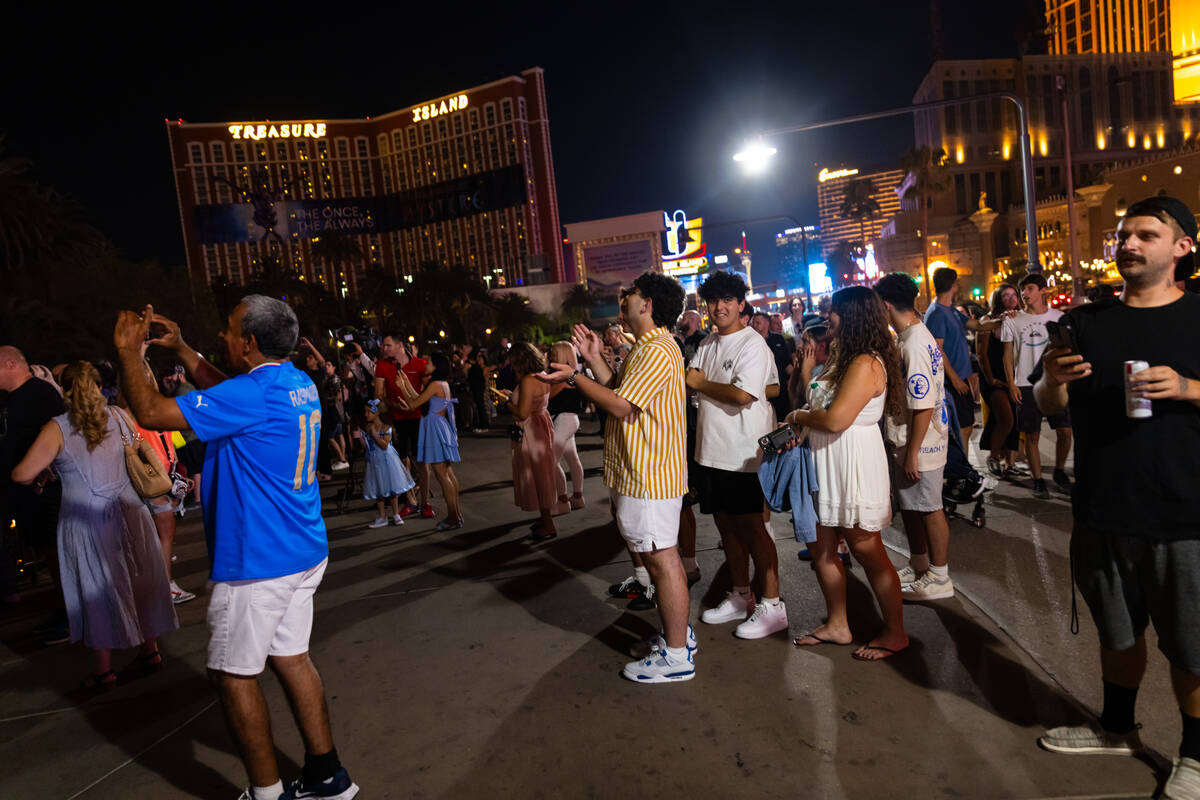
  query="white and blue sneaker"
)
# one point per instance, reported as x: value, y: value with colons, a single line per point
x: 339, y: 787
x: 658, y: 642
x: 659, y: 667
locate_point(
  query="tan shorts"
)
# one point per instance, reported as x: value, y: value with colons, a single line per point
x: 250, y: 620
x: 647, y: 525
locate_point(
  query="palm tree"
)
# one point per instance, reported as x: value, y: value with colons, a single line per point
x: 514, y: 317
x: 442, y: 298
x: 336, y: 248
x: 859, y: 204
x: 578, y: 302
x: 927, y: 178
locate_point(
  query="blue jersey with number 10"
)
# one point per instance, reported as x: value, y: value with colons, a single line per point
x: 262, y: 504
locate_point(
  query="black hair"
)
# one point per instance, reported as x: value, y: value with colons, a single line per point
x: 943, y: 279
x: 721, y: 284
x: 441, y: 366
x: 899, y: 289
x: 763, y: 314
x: 665, y: 294
x: 1036, y: 278
x: 996, y: 307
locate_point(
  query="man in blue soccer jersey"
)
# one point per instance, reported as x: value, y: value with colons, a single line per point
x: 262, y: 518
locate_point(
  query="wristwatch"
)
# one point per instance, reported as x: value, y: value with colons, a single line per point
x: 571, y: 380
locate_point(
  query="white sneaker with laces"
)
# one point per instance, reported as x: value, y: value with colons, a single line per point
x: 657, y: 642
x: 765, y: 620
x: 379, y: 522
x: 397, y: 519
x: 928, y: 587
x: 659, y: 667
x: 733, y: 607
x: 907, y: 575
x: 1091, y: 739
x: 179, y: 595
x: 340, y: 466
x: 1184, y: 783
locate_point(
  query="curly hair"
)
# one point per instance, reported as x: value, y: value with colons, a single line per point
x: 526, y: 359
x: 721, y: 284
x: 86, y: 407
x: 863, y: 329
x: 666, y: 295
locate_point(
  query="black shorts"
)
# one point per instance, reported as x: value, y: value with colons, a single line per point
x: 725, y: 492
x: 964, y: 406
x: 1128, y: 581
x: 191, y: 456
x: 405, y: 433
x: 1029, y: 416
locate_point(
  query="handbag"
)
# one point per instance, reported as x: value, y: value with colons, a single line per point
x: 142, y: 463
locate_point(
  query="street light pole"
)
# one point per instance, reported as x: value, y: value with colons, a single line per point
x: 1023, y: 133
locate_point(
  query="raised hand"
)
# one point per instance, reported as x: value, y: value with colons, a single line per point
x: 587, y: 342
x: 132, y: 329
x: 167, y: 331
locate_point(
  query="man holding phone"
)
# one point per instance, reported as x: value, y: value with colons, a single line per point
x: 1135, y: 547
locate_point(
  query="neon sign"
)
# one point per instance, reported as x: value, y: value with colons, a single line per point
x: 832, y: 174
x: 285, y: 130
x: 435, y: 109
x: 685, y: 250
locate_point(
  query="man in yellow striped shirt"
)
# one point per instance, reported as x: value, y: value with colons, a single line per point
x: 645, y: 464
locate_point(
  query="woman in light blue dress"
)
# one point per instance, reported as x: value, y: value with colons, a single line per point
x: 437, y: 440
x: 114, y: 579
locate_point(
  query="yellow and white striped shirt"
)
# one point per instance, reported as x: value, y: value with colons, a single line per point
x: 645, y: 454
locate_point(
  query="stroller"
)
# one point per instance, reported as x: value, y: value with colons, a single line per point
x: 962, y: 483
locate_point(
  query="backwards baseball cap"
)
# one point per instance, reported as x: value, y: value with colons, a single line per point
x: 1178, y: 211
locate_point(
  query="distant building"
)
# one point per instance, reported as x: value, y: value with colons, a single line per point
x: 796, y: 246
x: 466, y: 179
x: 831, y: 192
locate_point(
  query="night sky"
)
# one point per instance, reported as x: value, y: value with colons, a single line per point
x: 647, y: 102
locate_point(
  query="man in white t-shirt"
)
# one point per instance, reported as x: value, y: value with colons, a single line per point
x: 1025, y: 339
x: 730, y: 373
x: 917, y: 444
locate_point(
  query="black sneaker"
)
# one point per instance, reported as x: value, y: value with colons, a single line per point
x: 644, y: 600
x: 1039, y: 489
x: 626, y: 589
x: 1062, y: 480
x: 339, y: 787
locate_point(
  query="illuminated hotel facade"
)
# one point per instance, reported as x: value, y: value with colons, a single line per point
x: 831, y: 193
x: 462, y: 180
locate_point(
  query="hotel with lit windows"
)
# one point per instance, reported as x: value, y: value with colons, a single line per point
x: 466, y: 180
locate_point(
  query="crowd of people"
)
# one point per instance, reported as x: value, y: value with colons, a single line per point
x: 843, y: 416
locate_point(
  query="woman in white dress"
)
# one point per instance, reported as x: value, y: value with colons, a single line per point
x: 860, y: 383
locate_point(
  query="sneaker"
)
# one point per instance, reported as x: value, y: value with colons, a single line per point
x: 1062, y: 480
x: 995, y: 467
x: 626, y: 589
x: 479, y: 430
x: 339, y: 787
x: 179, y: 595
x: 657, y: 643
x: 644, y: 600
x: 427, y: 511
x: 1039, y: 489
x: 1184, y: 782
x: 928, y: 587
x: 659, y: 667
x: 733, y: 607
x: 340, y: 466
x: 907, y: 575
x: 448, y: 525
x: 397, y: 519
x: 765, y: 620
x: 380, y: 522
x: 804, y: 555
x: 1091, y: 739
x: 409, y: 510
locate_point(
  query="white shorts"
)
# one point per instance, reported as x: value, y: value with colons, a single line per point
x: 647, y: 525
x: 250, y: 620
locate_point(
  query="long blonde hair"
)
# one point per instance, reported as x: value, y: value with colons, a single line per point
x: 86, y: 406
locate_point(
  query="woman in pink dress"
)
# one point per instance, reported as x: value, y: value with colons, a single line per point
x: 533, y: 461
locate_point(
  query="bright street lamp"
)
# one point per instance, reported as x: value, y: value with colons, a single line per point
x: 754, y: 156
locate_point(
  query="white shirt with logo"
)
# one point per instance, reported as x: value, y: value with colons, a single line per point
x: 1029, y: 338
x: 925, y: 387
x: 726, y: 434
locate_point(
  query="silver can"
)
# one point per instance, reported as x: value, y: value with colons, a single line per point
x: 1136, y: 407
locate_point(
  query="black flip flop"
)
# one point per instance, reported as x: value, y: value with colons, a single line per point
x: 887, y: 650
x: 796, y: 641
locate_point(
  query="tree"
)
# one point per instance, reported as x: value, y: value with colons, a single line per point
x: 443, y: 298
x: 859, y: 204
x: 578, y: 302
x: 927, y: 178
x: 514, y: 317
x: 337, y: 250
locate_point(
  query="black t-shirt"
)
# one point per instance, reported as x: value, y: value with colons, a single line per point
x: 475, y: 379
x: 28, y: 407
x: 1136, y: 476
x: 568, y: 401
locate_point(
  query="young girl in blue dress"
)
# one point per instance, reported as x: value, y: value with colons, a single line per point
x: 386, y: 477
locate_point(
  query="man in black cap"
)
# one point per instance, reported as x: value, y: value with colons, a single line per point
x: 1135, y: 547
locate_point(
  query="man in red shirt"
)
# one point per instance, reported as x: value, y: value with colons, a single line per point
x: 406, y: 424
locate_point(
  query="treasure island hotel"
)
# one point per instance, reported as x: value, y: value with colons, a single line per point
x: 465, y: 179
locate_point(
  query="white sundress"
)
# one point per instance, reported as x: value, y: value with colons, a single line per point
x: 852, y: 466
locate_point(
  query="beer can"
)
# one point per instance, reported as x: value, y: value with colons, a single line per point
x: 1135, y: 407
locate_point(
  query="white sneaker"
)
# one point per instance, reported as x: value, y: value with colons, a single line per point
x: 659, y: 667
x: 179, y: 595
x: 397, y: 519
x: 1184, y: 783
x: 340, y: 466
x: 765, y: 620
x: 733, y: 607
x: 928, y: 587
x: 907, y: 575
x: 657, y: 642
x: 379, y: 522
x: 1091, y: 739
